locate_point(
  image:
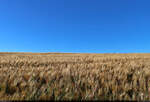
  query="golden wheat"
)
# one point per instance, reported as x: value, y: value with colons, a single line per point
x: 57, y: 76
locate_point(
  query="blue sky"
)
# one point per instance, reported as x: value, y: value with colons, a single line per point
x: 88, y: 26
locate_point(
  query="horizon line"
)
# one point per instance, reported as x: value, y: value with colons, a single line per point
x: 83, y: 52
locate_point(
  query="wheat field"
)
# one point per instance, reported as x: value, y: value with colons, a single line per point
x: 67, y: 76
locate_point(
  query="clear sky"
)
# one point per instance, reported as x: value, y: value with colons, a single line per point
x: 94, y: 26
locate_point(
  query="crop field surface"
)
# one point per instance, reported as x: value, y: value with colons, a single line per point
x: 67, y: 76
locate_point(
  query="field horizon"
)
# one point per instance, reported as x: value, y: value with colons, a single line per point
x: 71, y: 53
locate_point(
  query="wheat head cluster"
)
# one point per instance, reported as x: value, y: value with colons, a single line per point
x: 30, y: 76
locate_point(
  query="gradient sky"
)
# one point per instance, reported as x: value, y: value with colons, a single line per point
x: 94, y: 26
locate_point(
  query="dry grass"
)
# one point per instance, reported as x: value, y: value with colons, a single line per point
x: 57, y: 76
